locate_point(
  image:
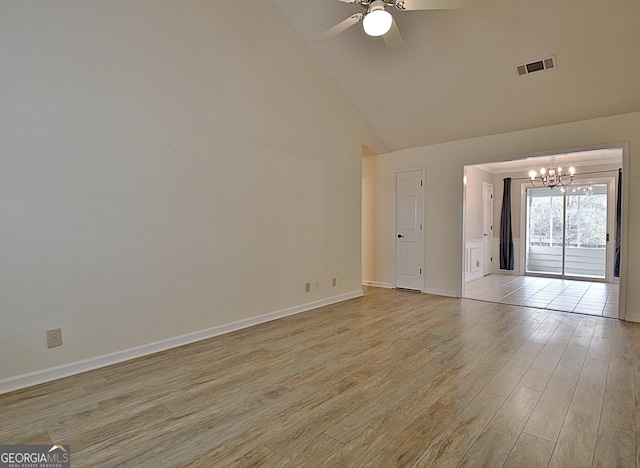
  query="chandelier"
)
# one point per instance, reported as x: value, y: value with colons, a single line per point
x: 552, y: 177
x: 587, y: 190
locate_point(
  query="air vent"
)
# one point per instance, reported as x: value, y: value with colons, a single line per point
x: 548, y: 63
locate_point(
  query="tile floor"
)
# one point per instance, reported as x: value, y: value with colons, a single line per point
x: 583, y: 297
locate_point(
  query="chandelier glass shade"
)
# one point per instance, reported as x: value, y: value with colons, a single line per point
x: 551, y: 177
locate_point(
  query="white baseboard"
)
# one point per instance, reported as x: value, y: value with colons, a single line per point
x: 473, y: 276
x: 632, y: 318
x: 46, y: 375
x: 437, y: 292
x: 377, y: 284
x: 441, y: 292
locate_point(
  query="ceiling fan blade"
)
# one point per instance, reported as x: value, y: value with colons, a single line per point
x: 430, y: 4
x: 338, y: 28
x: 393, y: 39
x: 351, y: 2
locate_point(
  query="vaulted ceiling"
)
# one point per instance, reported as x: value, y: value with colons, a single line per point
x: 455, y: 76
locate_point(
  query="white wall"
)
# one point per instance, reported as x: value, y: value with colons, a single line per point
x: 166, y: 168
x: 474, y: 209
x: 444, y: 194
x: 376, y: 263
x: 475, y: 256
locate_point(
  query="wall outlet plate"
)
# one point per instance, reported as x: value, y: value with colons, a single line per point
x: 54, y: 338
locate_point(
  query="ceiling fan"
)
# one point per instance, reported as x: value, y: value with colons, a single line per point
x: 377, y: 21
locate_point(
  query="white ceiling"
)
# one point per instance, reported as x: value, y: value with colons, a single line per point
x: 455, y: 78
x: 580, y: 159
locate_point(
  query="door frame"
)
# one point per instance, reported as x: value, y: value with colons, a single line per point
x: 624, y: 228
x: 422, y: 170
x: 487, y: 262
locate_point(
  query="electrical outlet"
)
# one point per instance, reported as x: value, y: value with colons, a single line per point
x: 307, y: 287
x: 317, y: 285
x: 54, y: 338
x: 334, y: 281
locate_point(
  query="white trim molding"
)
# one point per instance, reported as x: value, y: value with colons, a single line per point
x: 441, y: 292
x: 632, y: 318
x: 46, y: 375
x: 377, y: 284
x: 474, y: 259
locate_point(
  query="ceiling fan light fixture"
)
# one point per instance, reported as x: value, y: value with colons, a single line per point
x: 378, y: 21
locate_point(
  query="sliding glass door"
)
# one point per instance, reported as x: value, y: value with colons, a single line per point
x: 566, y: 231
x: 586, y: 231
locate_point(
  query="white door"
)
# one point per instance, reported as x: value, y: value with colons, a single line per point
x: 487, y: 228
x: 409, y: 232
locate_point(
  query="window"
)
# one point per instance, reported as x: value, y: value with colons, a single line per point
x: 567, y: 230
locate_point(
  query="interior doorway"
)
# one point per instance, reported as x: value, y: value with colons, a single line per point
x: 583, y: 243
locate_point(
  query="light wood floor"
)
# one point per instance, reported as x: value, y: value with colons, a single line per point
x: 391, y: 379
